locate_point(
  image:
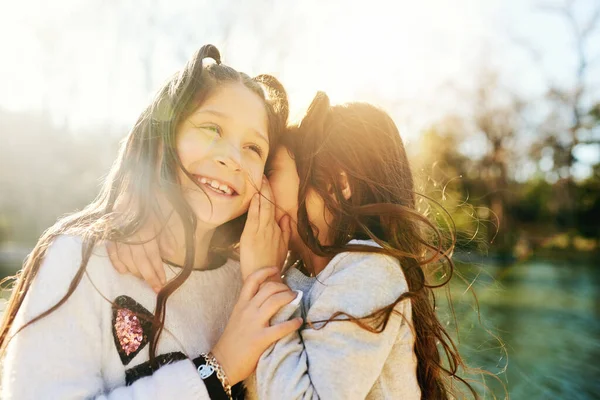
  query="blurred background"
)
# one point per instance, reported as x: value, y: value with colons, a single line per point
x: 498, y: 102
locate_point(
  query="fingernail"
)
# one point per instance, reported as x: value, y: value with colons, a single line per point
x: 156, y: 289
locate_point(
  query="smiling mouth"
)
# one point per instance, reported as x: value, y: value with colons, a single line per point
x: 216, y: 186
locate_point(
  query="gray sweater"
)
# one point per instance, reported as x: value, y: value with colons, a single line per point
x: 342, y: 360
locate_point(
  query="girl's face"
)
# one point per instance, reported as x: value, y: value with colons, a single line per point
x: 223, y: 144
x: 285, y: 183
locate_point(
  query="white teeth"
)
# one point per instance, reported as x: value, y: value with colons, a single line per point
x: 216, y: 185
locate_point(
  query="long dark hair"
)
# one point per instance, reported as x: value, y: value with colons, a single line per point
x: 363, y: 142
x: 148, y: 164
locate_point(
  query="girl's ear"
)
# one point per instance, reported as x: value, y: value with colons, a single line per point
x: 344, y: 184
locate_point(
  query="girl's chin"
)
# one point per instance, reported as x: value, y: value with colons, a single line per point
x: 213, y: 222
x: 216, y: 219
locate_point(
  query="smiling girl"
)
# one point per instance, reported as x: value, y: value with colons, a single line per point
x: 74, y: 328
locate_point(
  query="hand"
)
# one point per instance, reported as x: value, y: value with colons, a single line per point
x: 263, y: 243
x: 142, y: 259
x: 248, y: 333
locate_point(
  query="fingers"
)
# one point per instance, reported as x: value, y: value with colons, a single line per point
x: 113, y: 255
x: 125, y: 257
x: 142, y: 261
x: 149, y: 239
x: 152, y: 251
x: 253, y: 282
x: 274, y: 303
x: 276, y: 332
x: 267, y: 290
x: 150, y: 276
x: 144, y: 266
x: 267, y: 209
x: 266, y: 190
x: 128, y: 254
x: 252, y: 221
x: 285, y: 224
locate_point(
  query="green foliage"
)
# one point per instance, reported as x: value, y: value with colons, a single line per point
x: 588, y: 206
x: 535, y: 202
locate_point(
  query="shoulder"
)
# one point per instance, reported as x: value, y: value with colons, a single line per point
x: 65, y: 246
x: 64, y: 256
x: 61, y: 259
x: 57, y: 271
x: 365, y: 268
x: 360, y: 283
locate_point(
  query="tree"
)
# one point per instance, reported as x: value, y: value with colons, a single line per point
x: 570, y: 122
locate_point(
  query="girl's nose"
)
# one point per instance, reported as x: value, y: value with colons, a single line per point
x: 229, y: 156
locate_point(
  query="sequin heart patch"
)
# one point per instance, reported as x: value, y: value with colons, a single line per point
x: 131, y: 324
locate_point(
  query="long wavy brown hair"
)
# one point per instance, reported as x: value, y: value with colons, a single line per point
x: 363, y: 142
x: 148, y: 164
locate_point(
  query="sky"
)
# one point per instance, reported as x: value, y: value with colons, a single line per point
x: 97, y: 62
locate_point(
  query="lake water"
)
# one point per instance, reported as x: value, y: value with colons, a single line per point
x: 547, y: 313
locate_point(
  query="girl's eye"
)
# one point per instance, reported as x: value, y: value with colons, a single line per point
x: 257, y: 149
x: 213, y: 129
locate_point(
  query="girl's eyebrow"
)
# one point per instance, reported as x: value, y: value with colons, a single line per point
x: 220, y: 114
x: 260, y: 136
x: 212, y: 112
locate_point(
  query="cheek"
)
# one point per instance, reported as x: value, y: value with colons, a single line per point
x: 254, y: 175
x: 285, y: 198
x: 315, y: 208
x: 192, y: 149
x: 189, y: 147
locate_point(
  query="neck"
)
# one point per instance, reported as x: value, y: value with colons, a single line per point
x: 173, y: 245
x: 314, y: 263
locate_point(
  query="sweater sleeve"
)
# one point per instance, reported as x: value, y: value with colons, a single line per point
x: 340, y: 360
x: 60, y: 356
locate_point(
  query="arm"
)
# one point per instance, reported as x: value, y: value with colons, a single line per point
x: 264, y: 243
x: 340, y: 360
x: 60, y: 356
